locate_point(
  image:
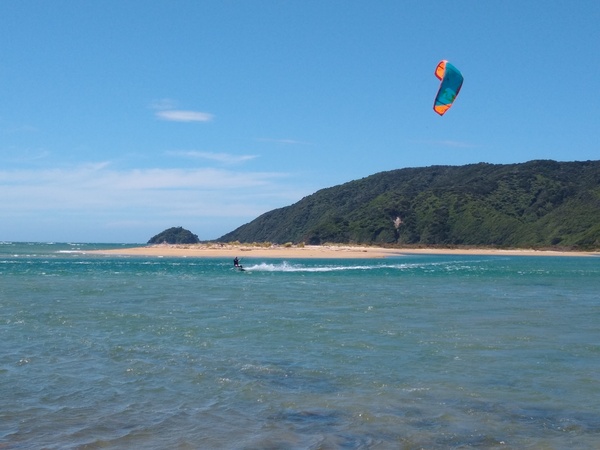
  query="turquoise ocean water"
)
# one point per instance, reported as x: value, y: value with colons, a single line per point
x: 407, y: 352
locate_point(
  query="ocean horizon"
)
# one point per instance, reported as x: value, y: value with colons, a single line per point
x: 404, y: 352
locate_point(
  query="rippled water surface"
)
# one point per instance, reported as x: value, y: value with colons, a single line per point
x: 406, y: 352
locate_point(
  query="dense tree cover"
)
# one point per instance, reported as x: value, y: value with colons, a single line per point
x: 175, y: 235
x: 534, y: 204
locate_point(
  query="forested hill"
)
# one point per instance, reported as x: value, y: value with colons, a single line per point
x: 534, y: 204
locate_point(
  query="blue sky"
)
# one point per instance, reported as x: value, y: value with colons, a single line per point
x: 121, y: 118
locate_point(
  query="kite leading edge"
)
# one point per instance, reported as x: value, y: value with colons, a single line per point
x: 451, y: 82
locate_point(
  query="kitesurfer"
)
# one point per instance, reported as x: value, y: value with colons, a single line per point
x: 236, y: 262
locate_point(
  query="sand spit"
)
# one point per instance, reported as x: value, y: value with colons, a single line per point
x: 312, y: 251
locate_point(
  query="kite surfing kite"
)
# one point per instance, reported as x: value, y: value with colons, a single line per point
x: 451, y: 82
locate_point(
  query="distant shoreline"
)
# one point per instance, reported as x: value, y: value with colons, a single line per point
x: 314, y: 251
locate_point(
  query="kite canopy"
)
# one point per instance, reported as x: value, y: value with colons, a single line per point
x: 452, y: 81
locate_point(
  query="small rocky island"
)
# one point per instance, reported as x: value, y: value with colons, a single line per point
x: 175, y: 235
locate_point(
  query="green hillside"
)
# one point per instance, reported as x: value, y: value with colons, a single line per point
x: 534, y: 204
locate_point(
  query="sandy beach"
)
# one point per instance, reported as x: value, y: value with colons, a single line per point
x: 313, y: 251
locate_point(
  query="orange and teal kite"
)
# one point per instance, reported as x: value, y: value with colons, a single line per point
x: 452, y: 81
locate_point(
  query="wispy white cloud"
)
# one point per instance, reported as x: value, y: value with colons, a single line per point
x: 178, y: 115
x: 97, y: 202
x: 166, y: 109
x: 99, y: 176
x: 224, y: 158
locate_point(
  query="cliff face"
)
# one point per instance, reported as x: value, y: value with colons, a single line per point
x: 534, y: 204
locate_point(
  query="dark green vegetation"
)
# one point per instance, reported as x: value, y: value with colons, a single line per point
x: 175, y: 235
x: 537, y: 204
